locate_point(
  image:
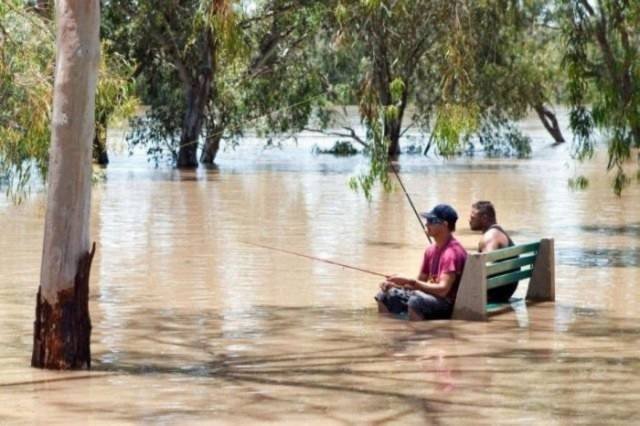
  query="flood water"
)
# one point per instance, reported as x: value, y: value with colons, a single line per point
x: 193, y: 325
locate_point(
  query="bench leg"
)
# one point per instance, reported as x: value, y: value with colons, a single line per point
x: 471, y: 299
x: 542, y: 286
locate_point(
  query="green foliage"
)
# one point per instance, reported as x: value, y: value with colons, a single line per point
x: 115, y: 98
x: 27, y: 54
x: 503, y: 139
x: 26, y: 66
x: 601, y: 61
x: 378, y: 159
x: 453, y: 123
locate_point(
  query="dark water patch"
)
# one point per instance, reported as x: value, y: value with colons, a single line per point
x: 452, y: 167
x: 628, y: 229
x: 388, y: 244
x: 598, y: 258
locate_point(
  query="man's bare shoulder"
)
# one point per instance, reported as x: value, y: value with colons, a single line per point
x: 493, y: 239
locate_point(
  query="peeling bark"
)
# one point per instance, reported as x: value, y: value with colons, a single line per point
x: 62, y: 333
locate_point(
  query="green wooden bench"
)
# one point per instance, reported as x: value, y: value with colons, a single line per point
x: 484, y: 271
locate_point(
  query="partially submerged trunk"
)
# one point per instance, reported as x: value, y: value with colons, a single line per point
x: 197, y: 99
x: 62, y: 327
x: 392, y: 133
x: 100, y: 155
x: 382, y: 79
x: 393, y: 127
x: 550, y: 122
x: 211, y: 145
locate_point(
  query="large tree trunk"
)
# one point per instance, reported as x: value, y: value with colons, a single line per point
x: 382, y: 78
x: 197, y: 98
x: 62, y: 327
x: 550, y: 122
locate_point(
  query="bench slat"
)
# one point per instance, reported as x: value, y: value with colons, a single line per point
x: 506, y: 265
x: 508, y: 278
x: 505, y: 253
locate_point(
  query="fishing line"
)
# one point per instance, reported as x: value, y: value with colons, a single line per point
x: 395, y: 172
x: 367, y: 271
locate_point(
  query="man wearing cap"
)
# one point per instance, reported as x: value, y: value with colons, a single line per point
x: 433, y: 294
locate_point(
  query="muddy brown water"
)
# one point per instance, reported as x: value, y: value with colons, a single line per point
x: 194, y: 326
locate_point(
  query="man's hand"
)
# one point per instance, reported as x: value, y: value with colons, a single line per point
x: 399, y: 282
x: 402, y: 282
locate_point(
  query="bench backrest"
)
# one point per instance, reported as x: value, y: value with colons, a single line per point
x: 510, y: 264
x: 484, y: 271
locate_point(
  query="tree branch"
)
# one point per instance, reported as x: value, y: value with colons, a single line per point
x: 177, y: 56
x: 587, y: 6
x: 406, y: 129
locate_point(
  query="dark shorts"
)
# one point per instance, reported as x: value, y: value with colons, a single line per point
x: 501, y: 294
x: 397, y: 301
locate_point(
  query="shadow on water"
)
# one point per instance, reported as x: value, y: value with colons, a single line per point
x: 628, y: 229
x: 596, y: 257
x: 381, y: 366
x: 393, y: 366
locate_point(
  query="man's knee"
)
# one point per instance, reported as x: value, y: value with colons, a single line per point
x: 415, y: 315
x: 416, y: 303
x: 428, y: 307
x: 382, y: 308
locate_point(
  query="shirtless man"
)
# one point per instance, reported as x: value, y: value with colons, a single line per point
x: 483, y: 218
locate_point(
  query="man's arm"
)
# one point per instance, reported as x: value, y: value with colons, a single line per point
x: 439, y: 288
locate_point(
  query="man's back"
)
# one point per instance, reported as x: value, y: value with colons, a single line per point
x: 496, y: 238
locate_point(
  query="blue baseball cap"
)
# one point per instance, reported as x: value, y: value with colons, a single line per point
x: 441, y: 213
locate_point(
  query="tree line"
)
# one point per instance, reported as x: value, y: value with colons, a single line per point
x: 209, y: 70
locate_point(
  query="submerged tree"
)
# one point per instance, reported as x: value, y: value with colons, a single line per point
x: 463, y: 69
x: 602, y: 63
x: 399, y: 42
x: 207, y: 69
x: 115, y: 99
x: 514, y: 48
x: 62, y: 327
x: 445, y: 59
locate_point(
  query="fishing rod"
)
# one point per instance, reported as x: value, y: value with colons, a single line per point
x: 395, y: 172
x: 317, y: 258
